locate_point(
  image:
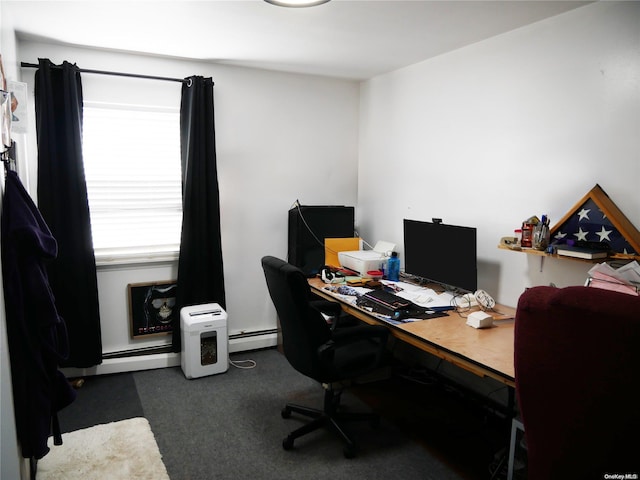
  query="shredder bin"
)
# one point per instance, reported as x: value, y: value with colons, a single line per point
x: 205, y: 343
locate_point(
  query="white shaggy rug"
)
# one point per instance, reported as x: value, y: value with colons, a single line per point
x: 113, y: 451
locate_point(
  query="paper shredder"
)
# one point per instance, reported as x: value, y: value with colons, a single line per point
x: 205, y: 343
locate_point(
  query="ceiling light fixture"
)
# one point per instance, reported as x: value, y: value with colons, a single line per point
x: 296, y: 3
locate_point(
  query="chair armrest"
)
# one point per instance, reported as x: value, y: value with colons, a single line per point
x: 327, y: 307
x: 326, y: 351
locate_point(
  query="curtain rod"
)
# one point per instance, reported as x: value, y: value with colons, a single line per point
x: 117, y: 74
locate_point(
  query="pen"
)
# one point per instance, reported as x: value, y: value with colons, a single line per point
x: 442, y: 309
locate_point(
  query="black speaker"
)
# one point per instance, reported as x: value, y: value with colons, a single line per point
x: 309, y: 226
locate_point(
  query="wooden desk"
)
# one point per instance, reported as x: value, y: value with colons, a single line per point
x: 485, y: 352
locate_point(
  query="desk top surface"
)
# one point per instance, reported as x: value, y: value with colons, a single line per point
x: 490, y: 348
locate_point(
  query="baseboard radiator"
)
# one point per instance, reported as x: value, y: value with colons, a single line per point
x: 161, y: 356
x: 257, y: 339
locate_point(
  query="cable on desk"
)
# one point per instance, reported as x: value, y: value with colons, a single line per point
x: 461, y: 309
x: 251, y: 363
x: 464, y: 310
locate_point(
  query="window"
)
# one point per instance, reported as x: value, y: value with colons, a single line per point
x: 132, y: 168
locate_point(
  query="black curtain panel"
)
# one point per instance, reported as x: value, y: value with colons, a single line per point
x: 200, y: 273
x: 62, y: 200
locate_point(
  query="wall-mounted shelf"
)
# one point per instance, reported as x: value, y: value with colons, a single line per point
x: 542, y: 255
x: 594, y: 217
x: 539, y: 253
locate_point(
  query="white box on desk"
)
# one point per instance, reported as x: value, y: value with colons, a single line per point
x: 204, y: 341
x: 362, y: 261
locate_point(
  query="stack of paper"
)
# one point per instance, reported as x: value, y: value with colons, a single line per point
x: 625, y: 279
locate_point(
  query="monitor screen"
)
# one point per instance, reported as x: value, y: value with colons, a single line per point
x: 445, y: 254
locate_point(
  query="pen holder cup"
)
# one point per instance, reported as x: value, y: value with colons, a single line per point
x: 541, y: 237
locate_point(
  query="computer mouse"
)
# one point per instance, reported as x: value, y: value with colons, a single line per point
x: 400, y: 315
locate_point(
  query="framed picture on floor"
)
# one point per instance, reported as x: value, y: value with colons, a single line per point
x: 151, y: 308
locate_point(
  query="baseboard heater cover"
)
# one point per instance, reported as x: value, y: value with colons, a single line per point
x: 253, y: 340
x: 126, y: 364
x: 160, y: 356
x: 135, y: 352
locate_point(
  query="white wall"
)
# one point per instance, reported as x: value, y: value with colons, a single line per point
x: 280, y: 137
x: 521, y: 124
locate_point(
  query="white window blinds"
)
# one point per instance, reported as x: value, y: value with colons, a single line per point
x: 132, y: 168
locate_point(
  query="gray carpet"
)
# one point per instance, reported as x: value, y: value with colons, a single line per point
x: 102, y: 399
x: 228, y: 426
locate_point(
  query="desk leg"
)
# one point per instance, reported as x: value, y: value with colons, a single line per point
x: 508, y: 456
x: 515, y: 426
x: 511, y: 402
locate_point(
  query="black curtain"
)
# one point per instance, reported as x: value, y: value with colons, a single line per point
x: 62, y: 200
x: 200, y: 273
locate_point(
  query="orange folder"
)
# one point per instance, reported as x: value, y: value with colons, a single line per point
x: 334, y: 245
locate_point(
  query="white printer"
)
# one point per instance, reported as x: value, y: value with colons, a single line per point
x: 363, y: 261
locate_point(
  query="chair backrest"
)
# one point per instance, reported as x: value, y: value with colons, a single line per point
x: 577, y: 372
x: 304, y: 329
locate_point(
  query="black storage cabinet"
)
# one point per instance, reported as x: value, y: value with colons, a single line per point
x: 309, y: 225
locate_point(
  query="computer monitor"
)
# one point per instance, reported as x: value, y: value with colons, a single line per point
x: 444, y: 254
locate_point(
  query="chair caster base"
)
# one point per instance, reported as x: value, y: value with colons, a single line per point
x: 287, y: 443
x: 349, y: 452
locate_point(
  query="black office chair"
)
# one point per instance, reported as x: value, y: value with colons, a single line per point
x: 312, y: 347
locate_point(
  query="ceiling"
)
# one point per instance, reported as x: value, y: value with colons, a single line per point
x: 352, y: 39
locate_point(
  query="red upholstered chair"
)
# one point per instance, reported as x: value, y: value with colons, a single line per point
x: 577, y: 372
